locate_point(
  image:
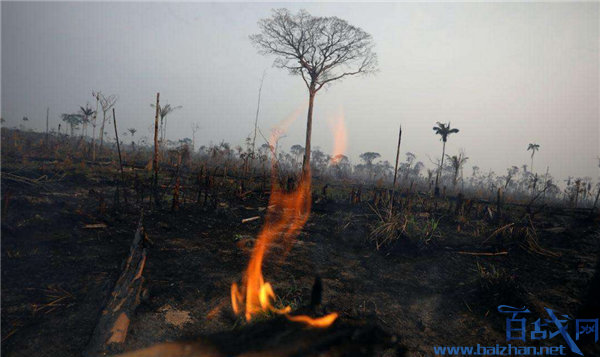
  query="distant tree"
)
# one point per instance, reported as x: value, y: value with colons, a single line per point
x: 383, y: 169
x: 186, y: 141
x: 264, y: 151
x: 86, y: 112
x: 510, y: 173
x: 416, y: 170
x: 132, y: 131
x: 319, y: 49
x: 25, y: 119
x: 339, y: 158
x: 195, y: 128
x: 73, y: 120
x: 456, y: 163
x: 533, y: 147
x: 443, y: 130
x: 406, y: 168
x: 368, y: 158
x: 319, y: 160
x: 297, y: 151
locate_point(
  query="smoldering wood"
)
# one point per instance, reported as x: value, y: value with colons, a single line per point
x: 112, y: 325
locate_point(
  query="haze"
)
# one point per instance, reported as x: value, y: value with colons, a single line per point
x: 505, y: 74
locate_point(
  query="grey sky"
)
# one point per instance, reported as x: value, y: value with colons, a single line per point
x: 505, y: 74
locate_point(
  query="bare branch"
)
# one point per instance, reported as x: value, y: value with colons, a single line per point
x: 319, y: 49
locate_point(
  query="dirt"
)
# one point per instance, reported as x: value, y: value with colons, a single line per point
x: 174, y: 317
x: 429, y: 295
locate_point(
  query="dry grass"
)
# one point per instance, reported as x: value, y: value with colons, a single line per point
x: 55, y: 298
x: 392, y: 225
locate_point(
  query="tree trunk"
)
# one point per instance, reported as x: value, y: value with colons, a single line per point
x: 155, y: 159
x: 102, y: 131
x: 84, y: 129
x: 311, y: 103
x: 193, y: 143
x: 396, y: 169
x: 256, y: 120
x: 165, y: 134
x: 94, y: 131
x: 120, y: 158
x: 47, y: 127
x: 437, y: 177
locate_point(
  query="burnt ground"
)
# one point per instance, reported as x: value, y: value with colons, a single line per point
x: 57, y: 269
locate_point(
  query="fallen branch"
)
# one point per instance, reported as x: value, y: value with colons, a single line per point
x: 95, y: 226
x: 246, y: 220
x: 484, y: 254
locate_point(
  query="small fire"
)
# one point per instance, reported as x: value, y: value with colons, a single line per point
x: 288, y: 212
x: 286, y: 215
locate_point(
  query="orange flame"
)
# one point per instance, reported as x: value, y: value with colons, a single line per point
x: 286, y: 215
x: 340, y: 134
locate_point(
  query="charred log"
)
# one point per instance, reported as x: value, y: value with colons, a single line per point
x: 113, y: 322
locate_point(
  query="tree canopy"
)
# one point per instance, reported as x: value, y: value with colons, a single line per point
x: 320, y: 49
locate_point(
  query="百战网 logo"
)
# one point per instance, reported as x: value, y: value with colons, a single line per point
x: 516, y: 328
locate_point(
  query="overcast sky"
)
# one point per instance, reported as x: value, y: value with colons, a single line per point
x: 505, y: 74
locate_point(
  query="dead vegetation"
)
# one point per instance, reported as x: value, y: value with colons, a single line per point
x: 63, y: 211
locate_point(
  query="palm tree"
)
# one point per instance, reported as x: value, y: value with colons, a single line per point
x: 164, y: 111
x: 533, y: 147
x: 132, y: 131
x: 86, y: 112
x: 444, y: 131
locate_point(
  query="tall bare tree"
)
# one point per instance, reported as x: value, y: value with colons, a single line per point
x: 195, y: 128
x: 94, y: 122
x: 106, y: 104
x: 256, y: 118
x: 319, y: 49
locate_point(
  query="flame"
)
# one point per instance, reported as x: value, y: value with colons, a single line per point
x: 321, y: 322
x: 340, y: 134
x: 286, y: 215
